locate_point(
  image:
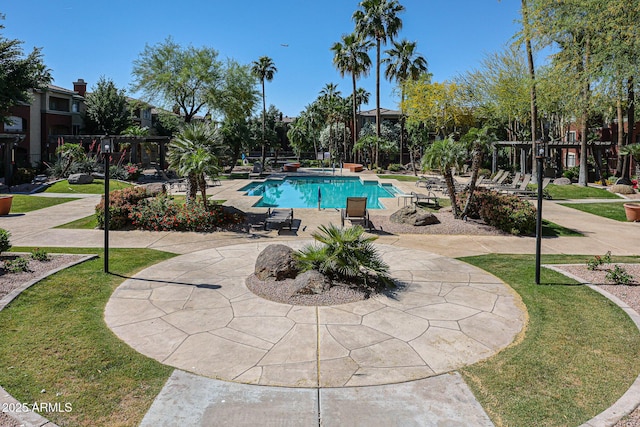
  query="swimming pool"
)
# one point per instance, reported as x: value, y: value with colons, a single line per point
x: 302, y: 192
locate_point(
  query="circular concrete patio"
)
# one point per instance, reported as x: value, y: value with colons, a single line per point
x: 195, y: 313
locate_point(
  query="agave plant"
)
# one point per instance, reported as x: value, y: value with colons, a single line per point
x: 347, y: 255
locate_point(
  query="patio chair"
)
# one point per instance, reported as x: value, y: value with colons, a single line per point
x: 356, y: 211
x: 429, y: 198
x: 279, y: 217
x: 521, y: 188
x: 533, y: 193
x: 515, y: 182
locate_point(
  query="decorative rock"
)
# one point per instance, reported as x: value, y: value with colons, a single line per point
x: 155, y: 188
x: 311, y: 282
x: 562, y: 181
x: 410, y: 215
x: 622, y: 189
x: 276, y: 262
x: 80, y: 178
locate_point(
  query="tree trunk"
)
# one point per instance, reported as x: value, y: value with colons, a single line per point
x: 203, y: 191
x: 621, y: 163
x: 192, y: 188
x: 451, y: 187
x: 584, y: 129
x: 354, y: 106
x: 475, y: 170
x: 264, y: 118
x: 377, y: 97
x: 532, y: 90
x: 631, y: 121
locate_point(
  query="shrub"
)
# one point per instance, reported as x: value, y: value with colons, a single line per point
x: 572, y: 173
x: 16, y: 265
x: 5, y: 244
x: 506, y: 212
x: 395, y: 167
x: 163, y: 214
x: 40, y: 255
x: 618, y: 275
x: 121, y: 202
x: 347, y: 255
x: 597, y: 261
x: 24, y: 175
x: 128, y: 172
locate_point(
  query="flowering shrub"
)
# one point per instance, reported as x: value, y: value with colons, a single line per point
x: 505, y: 212
x: 163, y: 214
x: 121, y: 202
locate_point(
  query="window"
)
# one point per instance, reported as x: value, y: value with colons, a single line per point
x: 17, y: 124
x: 572, y: 136
x: 75, y: 107
x: 146, y: 114
x: 571, y: 159
x: 58, y: 104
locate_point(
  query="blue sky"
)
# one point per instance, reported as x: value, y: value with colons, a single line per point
x: 89, y: 39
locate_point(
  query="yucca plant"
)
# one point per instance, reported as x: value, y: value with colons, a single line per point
x: 346, y: 255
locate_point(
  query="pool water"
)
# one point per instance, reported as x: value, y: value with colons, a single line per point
x: 302, y: 192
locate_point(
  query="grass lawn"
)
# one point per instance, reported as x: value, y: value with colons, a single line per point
x: 96, y: 187
x: 579, y: 353
x: 87, y: 223
x: 53, y: 338
x: 607, y: 210
x: 26, y: 203
x: 407, y: 178
x: 551, y: 229
x: 560, y: 192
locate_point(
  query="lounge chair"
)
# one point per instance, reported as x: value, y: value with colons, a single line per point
x: 279, y: 217
x: 515, y: 182
x: 533, y: 193
x: 428, y: 198
x: 521, y: 188
x: 356, y: 211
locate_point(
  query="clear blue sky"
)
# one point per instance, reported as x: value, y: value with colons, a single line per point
x: 89, y: 39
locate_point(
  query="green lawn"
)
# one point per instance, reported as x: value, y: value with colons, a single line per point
x: 55, y: 346
x: 26, y: 203
x: 87, y: 223
x: 96, y: 187
x: 578, y: 355
x: 606, y: 210
x: 563, y: 192
x: 406, y: 178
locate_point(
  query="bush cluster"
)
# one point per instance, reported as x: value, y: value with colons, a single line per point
x: 5, y: 243
x: 121, y: 203
x: 163, y: 214
x: 395, y: 167
x: 506, y: 212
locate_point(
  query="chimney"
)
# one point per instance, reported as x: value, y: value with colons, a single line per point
x: 80, y: 86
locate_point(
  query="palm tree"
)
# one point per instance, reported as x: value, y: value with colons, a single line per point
x: 443, y: 155
x: 404, y: 63
x: 378, y: 20
x: 264, y: 69
x: 351, y: 57
x: 330, y: 102
x: 479, y: 141
x: 194, y: 153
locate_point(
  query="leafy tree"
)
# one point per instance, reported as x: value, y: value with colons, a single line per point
x: 403, y: 63
x: 443, y: 155
x: 170, y: 75
x: 167, y: 123
x: 378, y: 20
x: 236, y: 97
x: 19, y: 74
x: 195, y: 152
x: 350, y: 56
x: 107, y: 110
x: 236, y: 136
x: 264, y: 69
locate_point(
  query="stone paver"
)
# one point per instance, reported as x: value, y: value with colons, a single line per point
x: 438, y: 320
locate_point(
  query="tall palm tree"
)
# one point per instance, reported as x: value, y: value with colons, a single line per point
x: 264, y: 69
x: 351, y: 57
x: 194, y: 153
x: 378, y: 20
x: 330, y: 100
x: 443, y: 155
x: 479, y: 141
x: 403, y: 63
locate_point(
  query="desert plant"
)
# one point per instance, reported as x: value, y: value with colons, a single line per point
x: 5, y: 243
x: 618, y: 275
x: 597, y: 261
x: 346, y: 255
x: 16, y: 265
x: 40, y: 255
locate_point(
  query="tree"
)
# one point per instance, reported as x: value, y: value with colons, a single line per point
x: 443, y: 155
x: 195, y: 152
x: 107, y: 109
x: 19, y: 74
x: 236, y: 97
x: 170, y: 75
x: 264, y: 69
x: 378, y: 20
x: 478, y: 142
x: 351, y: 57
x: 404, y: 63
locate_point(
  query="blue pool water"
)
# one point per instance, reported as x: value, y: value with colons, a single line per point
x: 302, y: 192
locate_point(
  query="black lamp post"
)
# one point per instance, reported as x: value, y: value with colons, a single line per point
x: 540, y: 156
x: 105, y: 148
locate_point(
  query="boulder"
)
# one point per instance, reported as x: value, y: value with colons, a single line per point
x: 155, y: 188
x: 276, y: 262
x: 411, y: 216
x: 562, y: 181
x: 311, y: 282
x: 80, y: 178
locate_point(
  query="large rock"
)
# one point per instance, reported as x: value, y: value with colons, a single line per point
x: 562, y: 181
x: 311, y: 282
x: 411, y: 216
x: 276, y: 262
x: 80, y: 178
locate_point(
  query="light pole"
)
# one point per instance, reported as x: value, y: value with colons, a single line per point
x: 540, y: 156
x: 105, y: 149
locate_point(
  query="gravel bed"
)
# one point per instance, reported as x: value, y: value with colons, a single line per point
x: 630, y: 294
x: 11, y: 281
x: 448, y: 225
